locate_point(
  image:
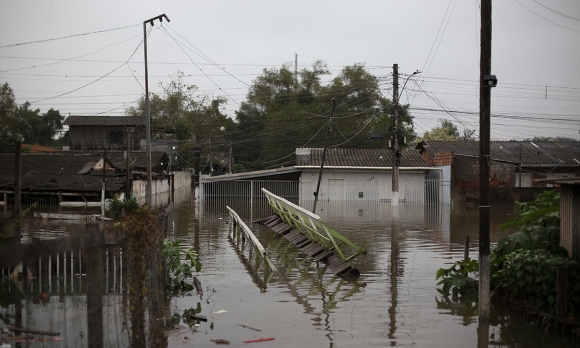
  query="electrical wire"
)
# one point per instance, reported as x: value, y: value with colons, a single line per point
x: 70, y: 36
x: 544, y: 18
x: 100, y: 78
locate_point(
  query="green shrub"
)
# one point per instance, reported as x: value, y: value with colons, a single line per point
x: 530, y: 275
x: 179, y: 272
x: 457, y: 279
x: 117, y: 206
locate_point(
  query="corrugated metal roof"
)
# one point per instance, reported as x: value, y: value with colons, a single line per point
x: 357, y: 158
x: 533, y: 153
x: 69, y: 171
x: 104, y: 121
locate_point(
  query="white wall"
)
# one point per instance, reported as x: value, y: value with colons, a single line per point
x: 160, y: 186
x: 376, y: 185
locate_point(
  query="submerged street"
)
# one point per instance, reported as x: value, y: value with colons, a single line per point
x: 394, y: 302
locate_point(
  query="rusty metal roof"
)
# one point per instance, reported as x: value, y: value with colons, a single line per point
x: 533, y: 153
x: 70, y: 171
x: 104, y: 121
x: 348, y: 157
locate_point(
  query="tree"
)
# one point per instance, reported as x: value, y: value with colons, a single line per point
x: 37, y: 128
x: 8, y: 107
x: 21, y: 123
x: 446, y: 131
x: 184, y: 115
x: 284, y: 111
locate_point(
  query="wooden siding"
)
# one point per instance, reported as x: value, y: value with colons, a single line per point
x: 98, y: 137
x: 570, y: 220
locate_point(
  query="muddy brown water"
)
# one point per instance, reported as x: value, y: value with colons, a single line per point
x: 394, y: 302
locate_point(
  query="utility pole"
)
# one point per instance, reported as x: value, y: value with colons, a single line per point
x: 231, y: 162
x: 296, y: 70
x: 323, y: 155
x: 520, y: 168
x: 486, y: 82
x: 395, y: 175
x: 147, y: 111
x: 128, y: 163
x: 17, y: 197
x: 103, y: 184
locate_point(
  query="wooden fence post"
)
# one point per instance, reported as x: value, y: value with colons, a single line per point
x: 94, y: 292
x: 561, y: 292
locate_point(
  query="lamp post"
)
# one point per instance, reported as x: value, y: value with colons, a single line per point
x: 147, y: 111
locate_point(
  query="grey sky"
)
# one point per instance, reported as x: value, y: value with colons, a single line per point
x: 243, y: 37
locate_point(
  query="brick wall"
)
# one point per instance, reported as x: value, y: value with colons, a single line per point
x: 465, y: 173
x: 443, y: 159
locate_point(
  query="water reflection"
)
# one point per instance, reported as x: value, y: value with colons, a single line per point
x: 394, y: 302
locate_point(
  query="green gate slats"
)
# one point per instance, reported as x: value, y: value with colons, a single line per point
x: 311, y: 225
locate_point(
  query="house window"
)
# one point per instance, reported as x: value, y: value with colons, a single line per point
x: 525, y: 178
x: 560, y: 176
x: 360, y: 195
x: 115, y: 138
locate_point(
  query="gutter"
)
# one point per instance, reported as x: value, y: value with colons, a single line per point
x: 367, y: 168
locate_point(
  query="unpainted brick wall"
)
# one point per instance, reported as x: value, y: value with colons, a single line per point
x: 466, y: 173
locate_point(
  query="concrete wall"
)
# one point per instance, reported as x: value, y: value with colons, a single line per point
x: 498, y: 195
x: 160, y: 186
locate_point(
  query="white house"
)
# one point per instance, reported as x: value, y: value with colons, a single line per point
x: 361, y: 175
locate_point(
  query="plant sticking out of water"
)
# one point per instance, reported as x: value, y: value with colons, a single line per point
x: 143, y: 256
x: 179, y: 272
x: 523, y: 265
x: 459, y: 278
x: 117, y: 206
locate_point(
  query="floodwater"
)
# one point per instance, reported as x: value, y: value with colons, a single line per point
x: 394, y: 302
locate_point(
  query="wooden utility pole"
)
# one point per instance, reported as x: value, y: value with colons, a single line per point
x: 395, y: 174
x: 231, y: 161
x: 147, y: 109
x: 484, y: 159
x: 128, y: 163
x: 103, y: 184
x: 323, y: 155
x: 17, y: 189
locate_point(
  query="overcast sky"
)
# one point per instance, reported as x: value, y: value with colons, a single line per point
x: 535, y: 47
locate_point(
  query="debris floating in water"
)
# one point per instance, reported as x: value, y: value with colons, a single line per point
x: 220, y: 311
x: 249, y: 327
x: 260, y: 340
x: 220, y: 341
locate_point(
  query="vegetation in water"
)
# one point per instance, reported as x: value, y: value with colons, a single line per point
x: 117, y: 206
x: 180, y: 272
x: 523, y: 265
x: 460, y: 278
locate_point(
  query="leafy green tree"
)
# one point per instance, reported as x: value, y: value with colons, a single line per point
x: 37, y: 128
x: 284, y: 111
x: 8, y: 108
x: 182, y: 114
x: 446, y: 131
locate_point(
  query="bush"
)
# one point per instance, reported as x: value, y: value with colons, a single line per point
x: 530, y: 275
x: 179, y: 272
x: 117, y: 206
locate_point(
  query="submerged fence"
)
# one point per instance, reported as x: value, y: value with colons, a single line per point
x: 101, y: 288
x: 248, y: 189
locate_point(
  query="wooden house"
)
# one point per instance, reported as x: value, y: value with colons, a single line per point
x: 98, y: 132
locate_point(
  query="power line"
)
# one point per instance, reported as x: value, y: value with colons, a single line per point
x: 561, y: 14
x: 69, y: 36
x: 88, y: 84
x: 560, y: 25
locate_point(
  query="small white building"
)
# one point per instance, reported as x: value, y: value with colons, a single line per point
x: 361, y: 175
